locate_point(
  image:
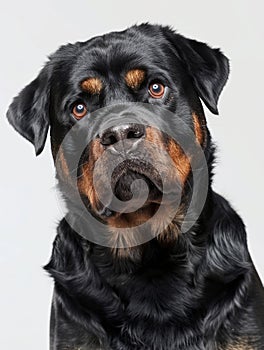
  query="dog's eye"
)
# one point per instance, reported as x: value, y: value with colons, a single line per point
x: 156, y: 90
x: 79, y: 110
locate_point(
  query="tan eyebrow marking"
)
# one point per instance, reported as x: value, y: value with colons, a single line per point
x: 134, y: 78
x: 92, y: 85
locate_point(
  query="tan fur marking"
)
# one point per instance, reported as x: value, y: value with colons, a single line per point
x: 239, y: 347
x: 180, y: 160
x: 134, y: 78
x: 182, y: 166
x: 126, y: 236
x: 132, y: 219
x: 198, y: 129
x: 92, y: 85
x: 240, y: 344
x: 85, y: 183
x: 154, y: 136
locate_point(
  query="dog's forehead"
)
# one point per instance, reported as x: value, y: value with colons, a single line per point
x: 114, y: 52
x: 125, y: 45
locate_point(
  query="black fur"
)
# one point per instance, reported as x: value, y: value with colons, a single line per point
x: 202, y: 291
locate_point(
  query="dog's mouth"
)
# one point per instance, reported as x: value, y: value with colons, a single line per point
x: 129, y: 171
x: 131, y: 181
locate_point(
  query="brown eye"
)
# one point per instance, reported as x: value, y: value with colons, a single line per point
x: 156, y: 90
x: 79, y: 110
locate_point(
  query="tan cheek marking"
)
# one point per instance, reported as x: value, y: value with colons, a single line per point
x: 85, y: 182
x: 85, y: 185
x: 182, y: 166
x: 199, y: 135
x: 180, y: 160
x: 92, y: 85
x: 178, y: 157
x: 154, y: 136
x: 134, y: 78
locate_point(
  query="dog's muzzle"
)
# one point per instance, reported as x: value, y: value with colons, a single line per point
x: 124, y: 143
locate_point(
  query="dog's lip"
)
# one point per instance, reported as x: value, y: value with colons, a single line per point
x: 146, y: 204
x: 138, y: 167
x: 106, y: 211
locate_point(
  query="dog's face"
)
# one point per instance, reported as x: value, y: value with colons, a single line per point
x: 113, y: 79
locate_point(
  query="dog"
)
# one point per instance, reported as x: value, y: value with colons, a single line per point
x: 127, y: 275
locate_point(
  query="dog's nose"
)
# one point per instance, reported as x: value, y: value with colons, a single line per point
x: 134, y: 132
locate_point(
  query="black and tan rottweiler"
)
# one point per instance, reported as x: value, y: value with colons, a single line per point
x: 195, y: 289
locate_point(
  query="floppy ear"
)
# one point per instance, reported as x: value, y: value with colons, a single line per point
x: 28, y: 113
x: 207, y: 67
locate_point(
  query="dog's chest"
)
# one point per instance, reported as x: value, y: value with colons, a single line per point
x: 157, y: 311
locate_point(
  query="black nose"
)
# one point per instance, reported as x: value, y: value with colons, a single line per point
x: 134, y: 132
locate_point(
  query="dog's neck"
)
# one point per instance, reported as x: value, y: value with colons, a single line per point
x: 88, y: 273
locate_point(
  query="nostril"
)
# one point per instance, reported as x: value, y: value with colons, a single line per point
x: 108, y: 139
x: 112, y: 139
x: 134, y: 134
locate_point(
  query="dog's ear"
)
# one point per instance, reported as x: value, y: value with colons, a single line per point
x: 207, y: 67
x: 29, y: 111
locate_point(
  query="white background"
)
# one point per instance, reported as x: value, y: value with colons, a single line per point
x: 30, y: 30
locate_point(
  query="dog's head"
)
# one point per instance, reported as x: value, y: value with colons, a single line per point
x: 130, y: 87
